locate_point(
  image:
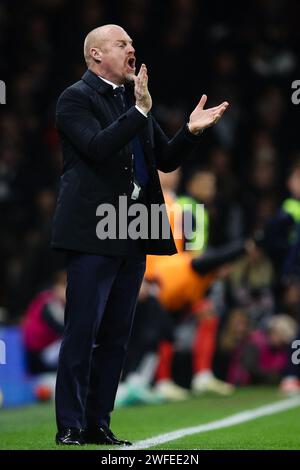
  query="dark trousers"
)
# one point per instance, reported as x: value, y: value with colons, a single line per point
x: 152, y: 324
x: 101, y: 299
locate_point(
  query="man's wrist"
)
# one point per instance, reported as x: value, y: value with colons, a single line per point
x: 193, y: 131
x: 142, y: 111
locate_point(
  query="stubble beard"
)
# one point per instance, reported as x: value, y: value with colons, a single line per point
x: 129, y: 78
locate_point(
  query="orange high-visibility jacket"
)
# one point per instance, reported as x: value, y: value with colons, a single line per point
x: 179, y: 284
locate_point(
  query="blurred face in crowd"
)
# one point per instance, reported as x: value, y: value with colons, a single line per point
x: 294, y: 183
x: 264, y: 175
x: 238, y: 324
x: 291, y: 295
x: 202, y: 186
x: 275, y: 338
x: 109, y: 53
x: 282, y: 329
x: 236, y: 330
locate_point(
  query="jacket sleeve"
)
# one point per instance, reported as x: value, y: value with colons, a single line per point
x: 76, y: 121
x: 215, y: 257
x: 170, y: 154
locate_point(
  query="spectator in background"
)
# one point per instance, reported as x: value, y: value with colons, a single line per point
x: 232, y: 335
x: 249, y: 286
x: 257, y: 356
x: 220, y: 163
x: 282, y: 242
x: 260, y: 198
x: 226, y: 78
x: 200, y: 188
x: 177, y: 295
x: 230, y: 214
x: 282, y: 235
x: 43, y: 325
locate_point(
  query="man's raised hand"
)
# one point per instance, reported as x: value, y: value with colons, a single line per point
x: 202, y: 118
x: 141, y: 92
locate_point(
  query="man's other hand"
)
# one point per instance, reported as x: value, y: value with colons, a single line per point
x: 141, y: 92
x: 202, y: 118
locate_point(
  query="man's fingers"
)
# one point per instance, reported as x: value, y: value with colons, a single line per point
x: 144, y: 74
x: 222, y: 110
x: 141, y: 82
x: 142, y: 71
x: 142, y: 78
x: 202, y: 102
x: 219, y: 113
x: 225, y: 105
x: 222, y: 105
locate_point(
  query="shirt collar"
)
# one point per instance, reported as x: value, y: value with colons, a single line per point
x: 111, y: 83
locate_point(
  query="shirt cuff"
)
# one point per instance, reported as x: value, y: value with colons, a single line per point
x: 190, y: 136
x: 141, y: 111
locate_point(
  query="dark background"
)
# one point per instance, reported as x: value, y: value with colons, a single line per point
x: 246, y: 53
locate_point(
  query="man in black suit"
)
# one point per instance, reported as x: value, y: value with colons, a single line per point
x: 112, y: 148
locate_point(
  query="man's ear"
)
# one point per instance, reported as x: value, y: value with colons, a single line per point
x: 96, y: 54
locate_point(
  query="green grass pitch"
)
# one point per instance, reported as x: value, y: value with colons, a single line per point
x: 33, y: 427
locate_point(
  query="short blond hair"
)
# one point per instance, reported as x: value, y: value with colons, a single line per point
x: 97, y: 38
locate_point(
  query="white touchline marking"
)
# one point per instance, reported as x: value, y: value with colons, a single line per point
x: 238, y: 418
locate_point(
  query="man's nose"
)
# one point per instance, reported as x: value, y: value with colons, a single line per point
x: 131, y: 49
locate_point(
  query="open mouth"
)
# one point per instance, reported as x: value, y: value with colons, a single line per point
x: 131, y: 63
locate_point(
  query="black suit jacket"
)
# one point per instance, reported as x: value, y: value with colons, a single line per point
x: 95, y: 137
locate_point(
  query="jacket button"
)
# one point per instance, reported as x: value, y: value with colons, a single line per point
x: 125, y: 167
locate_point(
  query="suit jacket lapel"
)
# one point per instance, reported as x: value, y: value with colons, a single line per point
x: 95, y: 82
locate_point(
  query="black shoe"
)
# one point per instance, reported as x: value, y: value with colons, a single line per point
x: 70, y: 437
x: 103, y: 436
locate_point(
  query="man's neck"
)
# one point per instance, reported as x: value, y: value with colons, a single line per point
x: 97, y: 72
x: 114, y: 85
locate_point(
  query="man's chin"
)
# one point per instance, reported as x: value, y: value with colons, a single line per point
x: 129, y: 77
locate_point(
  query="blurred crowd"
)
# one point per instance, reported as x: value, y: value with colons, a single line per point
x: 246, y: 171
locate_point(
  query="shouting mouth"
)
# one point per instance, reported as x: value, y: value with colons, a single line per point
x: 131, y: 63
